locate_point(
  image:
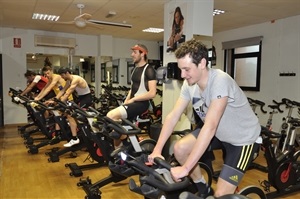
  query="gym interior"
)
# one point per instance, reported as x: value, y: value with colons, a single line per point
x: 261, y: 57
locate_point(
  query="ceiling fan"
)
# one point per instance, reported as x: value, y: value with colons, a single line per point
x: 84, y: 19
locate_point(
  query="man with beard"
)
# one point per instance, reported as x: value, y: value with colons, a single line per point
x: 143, y: 88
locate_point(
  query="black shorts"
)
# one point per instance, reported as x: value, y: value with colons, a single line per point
x: 136, y: 108
x: 237, y: 159
x: 84, y: 101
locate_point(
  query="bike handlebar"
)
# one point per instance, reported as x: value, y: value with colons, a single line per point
x: 257, y: 103
x: 154, y: 179
x: 268, y: 133
x: 276, y: 106
x: 261, y: 104
x: 14, y: 91
x: 120, y: 129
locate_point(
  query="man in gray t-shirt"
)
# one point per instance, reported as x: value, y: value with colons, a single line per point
x: 238, y: 122
x: 229, y: 122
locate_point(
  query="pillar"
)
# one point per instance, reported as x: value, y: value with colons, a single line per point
x: 198, y: 22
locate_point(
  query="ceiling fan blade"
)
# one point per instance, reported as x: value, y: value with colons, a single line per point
x: 111, y: 23
x: 84, y: 16
x: 94, y: 25
x: 63, y: 22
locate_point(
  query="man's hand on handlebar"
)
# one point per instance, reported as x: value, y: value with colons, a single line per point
x: 48, y: 102
x: 154, y: 155
x: 178, y: 173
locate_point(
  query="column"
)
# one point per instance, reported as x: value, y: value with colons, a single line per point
x: 198, y: 23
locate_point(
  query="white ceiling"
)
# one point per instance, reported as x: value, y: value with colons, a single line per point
x: 140, y: 13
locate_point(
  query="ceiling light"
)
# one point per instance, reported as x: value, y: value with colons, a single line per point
x: 153, y: 30
x: 80, y: 23
x: 81, y: 59
x: 45, y: 17
x: 218, y: 12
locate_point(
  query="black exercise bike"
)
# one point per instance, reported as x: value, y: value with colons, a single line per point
x: 283, y: 169
x: 156, y: 181
x: 118, y: 170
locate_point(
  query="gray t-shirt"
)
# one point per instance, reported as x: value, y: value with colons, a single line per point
x: 238, y: 125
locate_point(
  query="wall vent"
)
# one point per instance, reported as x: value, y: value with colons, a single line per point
x: 59, y: 42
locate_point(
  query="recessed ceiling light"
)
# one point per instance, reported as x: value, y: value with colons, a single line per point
x: 45, y: 17
x: 153, y: 30
x: 111, y: 14
x: 218, y: 12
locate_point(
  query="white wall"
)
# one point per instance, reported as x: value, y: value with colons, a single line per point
x: 14, y: 59
x: 280, y: 53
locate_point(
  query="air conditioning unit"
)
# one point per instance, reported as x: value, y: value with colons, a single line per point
x: 59, y: 42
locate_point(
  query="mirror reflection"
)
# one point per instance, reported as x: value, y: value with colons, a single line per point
x: 81, y: 65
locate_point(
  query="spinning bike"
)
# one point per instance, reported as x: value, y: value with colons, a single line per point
x: 65, y: 132
x: 98, y: 145
x: 283, y: 169
x: 287, y: 127
x: 275, y: 108
x: 156, y: 181
x: 118, y: 170
x: 14, y: 94
x: 45, y: 126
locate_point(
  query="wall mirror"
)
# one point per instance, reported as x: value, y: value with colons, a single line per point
x: 80, y: 65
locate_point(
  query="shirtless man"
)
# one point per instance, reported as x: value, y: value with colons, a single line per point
x: 55, y: 82
x: 78, y: 84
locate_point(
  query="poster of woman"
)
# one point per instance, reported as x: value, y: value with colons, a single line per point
x: 177, y: 35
